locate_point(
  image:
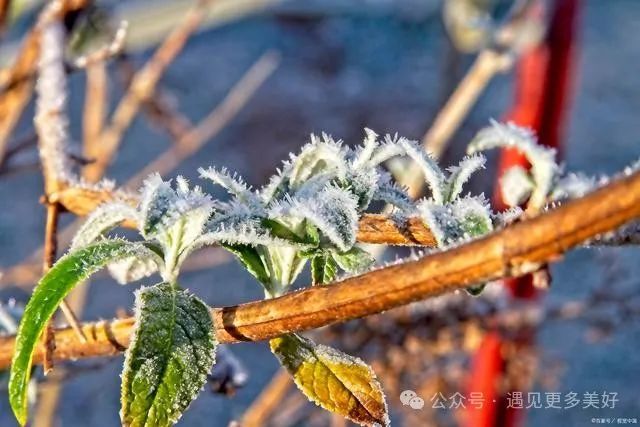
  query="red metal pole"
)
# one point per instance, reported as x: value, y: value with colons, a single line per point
x: 542, y: 94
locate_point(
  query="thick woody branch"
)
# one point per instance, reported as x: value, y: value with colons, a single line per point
x: 516, y: 250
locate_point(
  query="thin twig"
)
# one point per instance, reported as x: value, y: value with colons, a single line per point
x: 518, y: 249
x: 96, y: 103
x: 143, y: 86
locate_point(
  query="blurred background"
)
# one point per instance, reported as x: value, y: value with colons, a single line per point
x: 338, y: 66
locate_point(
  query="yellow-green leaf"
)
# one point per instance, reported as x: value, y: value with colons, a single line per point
x: 335, y: 381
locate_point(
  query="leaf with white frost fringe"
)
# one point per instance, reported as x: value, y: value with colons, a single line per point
x: 355, y: 260
x: 391, y: 193
x: 333, y: 211
x: 172, y: 351
x: 133, y: 269
x: 335, y: 381
x: 544, y: 168
x: 102, y: 220
x: 435, y: 179
x: 320, y: 156
x: 460, y: 174
x: 232, y: 183
x: 516, y: 186
x: 69, y: 271
x: 323, y: 269
x: 464, y: 219
x: 473, y: 215
x: 250, y: 259
x: 156, y: 200
x: 365, y: 151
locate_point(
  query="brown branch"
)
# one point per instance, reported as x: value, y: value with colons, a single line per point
x: 516, y: 250
x: 96, y: 103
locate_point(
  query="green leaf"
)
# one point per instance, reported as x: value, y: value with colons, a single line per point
x: 476, y: 290
x: 323, y: 269
x: 355, y: 260
x: 70, y: 270
x: 335, y: 381
x: 251, y: 260
x: 171, y: 353
x: 282, y: 231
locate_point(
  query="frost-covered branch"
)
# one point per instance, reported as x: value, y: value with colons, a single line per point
x: 514, y: 250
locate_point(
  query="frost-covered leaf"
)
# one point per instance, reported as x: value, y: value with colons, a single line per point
x: 459, y: 175
x: 320, y: 156
x: 246, y: 234
x: 102, y: 220
x: 473, y: 215
x: 232, y: 183
x: 365, y: 151
x: 156, y: 201
x: 333, y: 380
x: 507, y: 217
x: 323, y: 269
x: 333, y: 211
x: 133, y: 268
x: 171, y: 353
x: 462, y: 220
x: 572, y: 186
x: 69, y: 271
x: 440, y: 221
x: 250, y: 259
x: 544, y: 169
x: 516, y: 186
x: 391, y: 193
x: 364, y: 184
x: 435, y: 179
x: 355, y: 260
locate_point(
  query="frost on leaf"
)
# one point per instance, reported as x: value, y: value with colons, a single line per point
x: 320, y: 156
x: 333, y: 380
x: 66, y: 273
x: 355, y: 260
x: 460, y: 174
x: 133, y: 268
x: 572, y: 186
x: 544, y: 169
x: 171, y: 353
x: 516, y: 186
x: 232, y: 183
x: 102, y: 220
x: 323, y: 269
x: 457, y: 222
x: 333, y: 211
x: 391, y: 193
x: 156, y: 202
x: 364, y: 153
x: 434, y: 177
